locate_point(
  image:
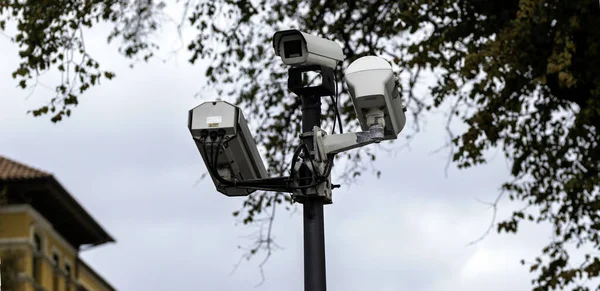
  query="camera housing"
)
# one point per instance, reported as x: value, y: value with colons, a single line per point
x: 374, y: 91
x: 297, y: 48
x: 238, y: 157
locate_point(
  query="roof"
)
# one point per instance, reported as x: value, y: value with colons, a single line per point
x: 12, y: 170
x: 45, y: 194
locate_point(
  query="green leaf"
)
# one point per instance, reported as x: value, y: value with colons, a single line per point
x: 109, y: 75
x: 534, y: 267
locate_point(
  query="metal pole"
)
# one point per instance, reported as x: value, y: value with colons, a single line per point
x: 314, y: 231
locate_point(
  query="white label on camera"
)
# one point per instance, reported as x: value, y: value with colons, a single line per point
x: 214, y: 121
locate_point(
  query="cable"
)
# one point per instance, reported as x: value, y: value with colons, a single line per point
x: 281, y: 184
x: 295, y: 158
x: 334, y: 104
x: 256, y: 184
x: 337, y: 99
x: 215, y: 159
x: 215, y: 153
x: 210, y: 164
x: 318, y: 178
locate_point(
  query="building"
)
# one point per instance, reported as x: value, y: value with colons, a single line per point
x: 43, y: 229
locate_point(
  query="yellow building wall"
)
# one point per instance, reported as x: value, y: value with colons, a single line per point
x: 20, y: 227
x: 27, y: 260
x: 14, y: 225
x: 66, y: 254
x: 18, y: 252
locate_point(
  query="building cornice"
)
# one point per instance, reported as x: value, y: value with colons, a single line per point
x: 41, y: 221
x: 89, y: 231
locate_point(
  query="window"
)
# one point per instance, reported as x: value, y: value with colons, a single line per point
x: 56, y: 262
x: 68, y: 270
x: 68, y: 276
x: 37, y: 258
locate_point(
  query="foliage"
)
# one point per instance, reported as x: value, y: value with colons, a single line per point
x: 50, y: 36
x: 523, y: 75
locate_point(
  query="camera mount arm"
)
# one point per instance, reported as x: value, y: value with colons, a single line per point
x: 337, y: 143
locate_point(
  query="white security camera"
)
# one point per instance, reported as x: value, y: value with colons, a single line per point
x: 374, y: 91
x: 297, y: 48
x: 224, y: 140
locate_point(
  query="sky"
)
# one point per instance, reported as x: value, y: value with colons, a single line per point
x: 127, y: 156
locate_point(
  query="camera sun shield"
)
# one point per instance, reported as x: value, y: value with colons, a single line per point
x: 373, y: 89
x: 297, y: 49
x: 238, y: 157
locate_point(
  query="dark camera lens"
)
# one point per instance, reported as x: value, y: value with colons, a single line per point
x: 292, y: 48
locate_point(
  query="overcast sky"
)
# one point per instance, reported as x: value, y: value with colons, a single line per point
x: 127, y: 157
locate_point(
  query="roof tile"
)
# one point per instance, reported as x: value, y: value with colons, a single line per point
x: 12, y: 170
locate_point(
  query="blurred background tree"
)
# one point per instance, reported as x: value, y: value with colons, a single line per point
x: 522, y: 75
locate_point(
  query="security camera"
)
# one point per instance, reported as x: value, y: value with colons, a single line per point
x: 374, y: 91
x: 297, y: 48
x: 226, y: 145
